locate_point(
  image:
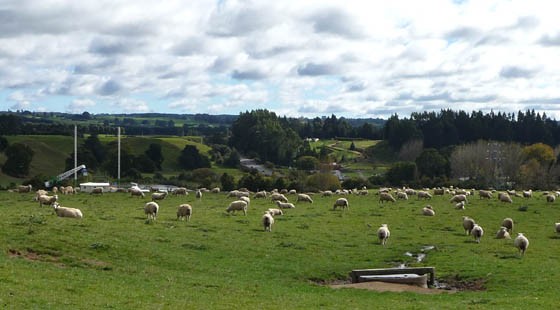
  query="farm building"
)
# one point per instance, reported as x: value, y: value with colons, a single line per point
x: 89, y: 186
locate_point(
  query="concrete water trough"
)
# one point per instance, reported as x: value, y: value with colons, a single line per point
x: 421, y: 276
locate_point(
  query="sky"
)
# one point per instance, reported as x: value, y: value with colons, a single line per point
x: 356, y: 59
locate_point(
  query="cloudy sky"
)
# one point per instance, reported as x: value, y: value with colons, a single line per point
x: 296, y: 58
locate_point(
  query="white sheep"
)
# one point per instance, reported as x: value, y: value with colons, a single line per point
x: 508, y: 223
x: 285, y: 205
x: 460, y: 205
x: 557, y: 227
x: 550, y: 198
x: 521, y: 242
x: 215, y: 190
x: 292, y: 192
x: 151, y: 210
x: 428, y: 211
x: 504, y: 197
x: 267, y: 221
x: 410, y: 191
x: 238, y: 205
x: 275, y: 211
x: 459, y: 198
x: 484, y: 194
x: 246, y: 199
x: 181, y: 191
x: 24, y: 188
x: 304, y: 198
x: 468, y: 224
x: 386, y: 197
x: 67, y: 212
x: 383, y: 234
x: 159, y: 196
x: 70, y: 190
x: 40, y: 192
x: 363, y: 192
x: 184, y: 211
x: 55, y: 190
x: 136, y: 192
x: 503, y: 233
x: 327, y: 193
x: 342, y: 203
x: 439, y: 191
x: 528, y: 194
x: 402, y: 195
x: 47, y: 200
x: 96, y: 191
x: 198, y: 194
x: 477, y: 232
x: 278, y: 197
x: 423, y: 195
x: 260, y: 194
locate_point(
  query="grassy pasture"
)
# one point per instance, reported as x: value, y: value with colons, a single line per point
x: 114, y: 259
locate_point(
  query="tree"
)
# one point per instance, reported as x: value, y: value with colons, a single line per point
x: 307, y: 163
x: 541, y: 152
x: 154, y: 153
x: 401, y: 173
x: 190, y: 158
x: 143, y: 163
x: 232, y: 160
x: 18, y: 161
x: 322, y: 181
x: 3, y: 143
x: 227, y: 181
x: 204, y: 176
x: 411, y: 150
x: 352, y: 146
x: 98, y: 150
x: 431, y: 164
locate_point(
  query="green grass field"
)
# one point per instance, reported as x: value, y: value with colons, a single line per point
x: 113, y: 258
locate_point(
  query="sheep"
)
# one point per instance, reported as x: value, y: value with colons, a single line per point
x: 69, y: 190
x: 246, y: 199
x: 557, y: 227
x: 460, y: 205
x: 233, y: 193
x: 40, y: 192
x: 304, y: 198
x: 468, y: 224
x: 274, y: 211
x: 342, y: 203
x: 96, y: 191
x: 484, y: 194
x: 383, y: 234
x: 278, y: 197
x: 184, y: 211
x: 151, y: 209
x: 180, y: 191
x: 159, y: 196
x: 521, y: 242
x: 24, y: 188
x: 268, y: 221
x: 528, y: 194
x: 439, y: 192
x: 284, y: 191
x: 477, y: 232
x: 428, y: 211
x: 503, y: 233
x: 410, y: 191
x: 508, y: 223
x: 47, y: 200
x: 459, y: 198
x: 198, y: 194
x: 386, y: 197
x: 285, y: 205
x: 55, y: 190
x: 402, y: 195
x: 504, y: 197
x: 136, y: 192
x: 363, y: 192
x: 550, y: 198
x: 215, y: 190
x: 423, y: 195
x: 238, y: 205
x: 67, y: 212
x: 292, y: 192
x: 260, y: 194
x: 327, y: 193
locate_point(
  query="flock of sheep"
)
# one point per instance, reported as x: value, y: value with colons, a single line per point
x: 459, y: 197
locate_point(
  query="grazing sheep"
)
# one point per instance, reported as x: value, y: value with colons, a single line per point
x: 386, y: 197
x: 423, y: 195
x: 151, y: 209
x: 215, y: 190
x: 267, y: 221
x: 40, y: 192
x: 528, y: 194
x: 55, y: 190
x: 468, y: 224
x: 428, y: 211
x: 304, y: 198
x: 246, y: 199
x: 278, y: 197
x: 285, y: 205
x: 439, y: 192
x: 477, y: 232
x: 24, y: 188
x: 292, y: 192
x: 521, y: 242
x: 275, y: 211
x: 363, y: 192
x: 504, y: 197
x: 198, y: 194
x: 327, y: 193
x: 460, y: 205
x: 503, y: 233
x: 238, y: 205
x: 557, y: 227
x: 383, y: 234
x: 260, y: 194
x: 284, y: 191
x: 342, y: 203
x: 97, y: 191
x: 402, y: 195
x: 550, y: 198
x: 484, y: 194
x: 233, y: 193
x: 184, y: 211
x: 70, y: 190
x: 136, y: 192
x: 180, y: 191
x: 67, y: 212
x: 410, y: 191
x: 508, y: 223
x: 159, y: 196
x: 47, y: 200
x: 459, y: 198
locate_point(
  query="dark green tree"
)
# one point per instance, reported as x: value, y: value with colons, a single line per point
x: 18, y: 161
x: 307, y: 163
x: 401, y: 173
x: 227, y: 181
x: 3, y: 143
x: 232, y: 160
x: 190, y: 158
x: 432, y: 164
x: 143, y: 163
x: 154, y: 153
x: 98, y: 150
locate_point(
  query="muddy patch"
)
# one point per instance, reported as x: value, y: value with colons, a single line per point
x: 458, y: 283
x: 391, y: 287
x: 57, y: 259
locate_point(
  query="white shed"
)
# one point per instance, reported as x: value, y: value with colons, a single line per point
x: 89, y: 186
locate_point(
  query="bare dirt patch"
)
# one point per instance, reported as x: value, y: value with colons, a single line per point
x: 456, y: 282
x: 391, y: 287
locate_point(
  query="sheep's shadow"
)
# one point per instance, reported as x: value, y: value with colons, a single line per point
x: 554, y: 237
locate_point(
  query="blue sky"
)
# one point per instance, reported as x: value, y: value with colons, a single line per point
x: 296, y: 58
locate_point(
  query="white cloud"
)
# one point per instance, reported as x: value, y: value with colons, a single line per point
x: 80, y: 105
